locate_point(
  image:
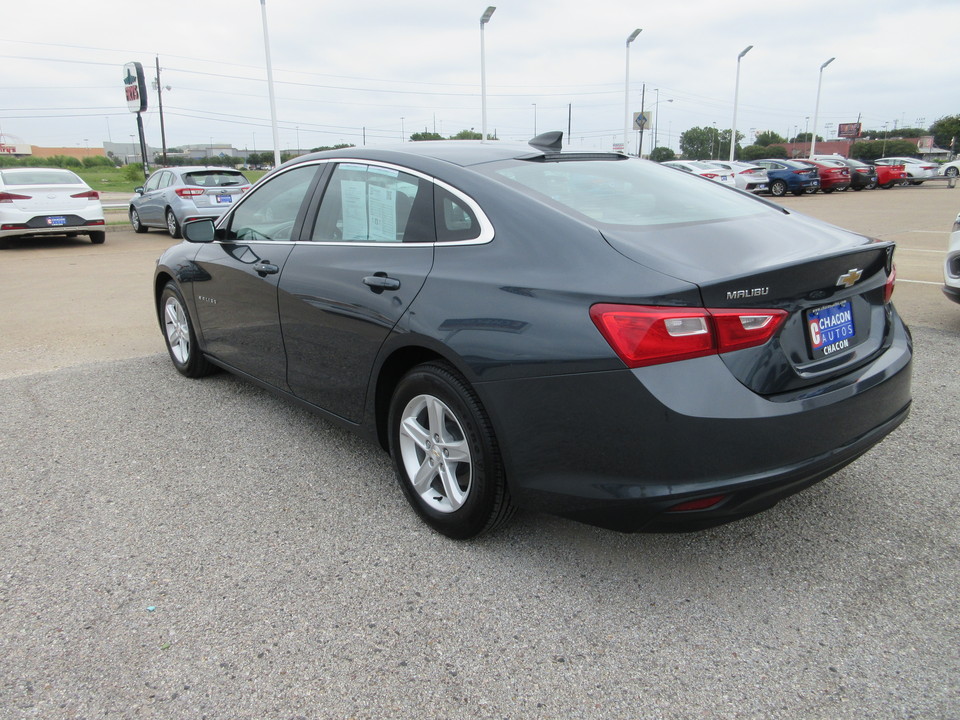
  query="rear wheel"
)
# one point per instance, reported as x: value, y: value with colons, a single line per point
x: 798, y: 193
x: 445, y: 453
x: 180, y: 336
x: 173, y: 227
x: 778, y: 188
x: 138, y: 227
x: 887, y: 185
x: 827, y: 191
x: 97, y: 237
x: 951, y: 172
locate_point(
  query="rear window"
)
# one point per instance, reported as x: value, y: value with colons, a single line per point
x: 40, y: 177
x: 626, y: 192
x: 215, y: 178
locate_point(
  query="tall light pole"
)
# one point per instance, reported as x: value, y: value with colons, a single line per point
x: 273, y: 100
x: 484, y: 19
x: 736, y: 97
x: 534, y: 119
x: 656, y: 117
x: 626, y: 92
x: 816, y: 110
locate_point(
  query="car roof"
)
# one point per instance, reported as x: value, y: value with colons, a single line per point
x: 460, y: 152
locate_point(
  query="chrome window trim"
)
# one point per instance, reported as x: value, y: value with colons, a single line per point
x: 486, y: 227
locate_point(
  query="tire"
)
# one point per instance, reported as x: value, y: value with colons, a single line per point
x: 138, y: 227
x: 827, y: 191
x: 858, y: 188
x: 98, y: 237
x: 778, y: 188
x: 173, y: 227
x: 798, y: 193
x: 887, y: 185
x: 915, y: 182
x: 445, y: 453
x: 951, y: 172
x: 179, y: 334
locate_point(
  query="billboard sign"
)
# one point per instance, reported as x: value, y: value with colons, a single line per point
x: 135, y: 87
x: 849, y: 130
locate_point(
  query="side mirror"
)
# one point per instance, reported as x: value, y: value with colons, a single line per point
x: 199, y: 231
x: 138, y: 190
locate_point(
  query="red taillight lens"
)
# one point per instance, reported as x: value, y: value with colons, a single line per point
x: 699, y: 504
x: 710, y: 175
x: 862, y: 170
x: 10, y: 197
x: 189, y: 192
x: 92, y: 194
x: 888, y: 286
x: 642, y: 335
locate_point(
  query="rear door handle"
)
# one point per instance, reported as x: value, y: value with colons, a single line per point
x: 380, y: 282
x: 265, y: 268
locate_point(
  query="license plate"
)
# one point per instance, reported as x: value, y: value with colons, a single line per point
x: 761, y: 186
x: 56, y: 221
x: 831, y: 328
x: 224, y: 198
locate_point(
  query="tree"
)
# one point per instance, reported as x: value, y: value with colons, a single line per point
x: 468, y: 135
x: 946, y: 132
x: 805, y: 137
x: 662, y: 154
x: 699, y: 143
x: 867, y: 150
x: 768, y: 137
x: 755, y: 152
x: 420, y: 136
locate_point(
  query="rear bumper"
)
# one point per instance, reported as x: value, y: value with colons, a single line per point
x: 619, y: 449
x: 952, y: 293
x: 75, y: 228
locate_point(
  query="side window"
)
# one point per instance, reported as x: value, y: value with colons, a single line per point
x: 271, y: 212
x: 455, y: 220
x: 153, y: 182
x: 166, y: 180
x: 368, y: 203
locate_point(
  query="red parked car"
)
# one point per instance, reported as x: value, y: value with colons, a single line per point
x: 832, y: 176
x: 890, y: 175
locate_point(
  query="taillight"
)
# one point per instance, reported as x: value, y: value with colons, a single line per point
x: 710, y: 175
x: 10, y: 197
x: 92, y: 194
x: 189, y: 192
x: 643, y: 335
x: 888, y: 286
x: 862, y: 170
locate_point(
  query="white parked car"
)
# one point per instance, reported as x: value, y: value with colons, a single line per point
x: 917, y: 170
x: 48, y: 201
x: 751, y: 178
x: 950, y: 169
x: 703, y: 169
x: 951, y: 267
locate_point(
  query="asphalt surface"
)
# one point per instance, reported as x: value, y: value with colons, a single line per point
x: 201, y: 549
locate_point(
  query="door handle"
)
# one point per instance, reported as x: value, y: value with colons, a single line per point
x: 265, y: 268
x: 380, y: 282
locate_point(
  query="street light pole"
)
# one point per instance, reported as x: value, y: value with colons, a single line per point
x: 484, y: 19
x: 626, y: 92
x: 736, y: 97
x: 816, y: 111
x: 273, y: 100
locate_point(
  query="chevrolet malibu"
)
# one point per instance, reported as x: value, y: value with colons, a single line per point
x: 583, y: 334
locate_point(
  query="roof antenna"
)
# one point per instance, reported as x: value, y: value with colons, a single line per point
x: 552, y: 140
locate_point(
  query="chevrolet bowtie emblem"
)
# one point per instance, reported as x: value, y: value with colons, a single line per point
x: 849, y: 279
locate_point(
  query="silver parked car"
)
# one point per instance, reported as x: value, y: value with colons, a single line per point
x: 951, y: 266
x: 174, y: 196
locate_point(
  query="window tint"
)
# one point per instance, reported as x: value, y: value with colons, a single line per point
x: 153, y: 182
x: 40, y: 177
x: 215, y: 178
x: 166, y: 180
x: 367, y: 203
x: 271, y: 212
x: 455, y: 220
x: 625, y: 192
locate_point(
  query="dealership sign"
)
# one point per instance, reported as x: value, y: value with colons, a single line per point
x: 849, y: 130
x: 135, y: 87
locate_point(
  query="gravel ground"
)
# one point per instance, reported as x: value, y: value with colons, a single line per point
x: 201, y: 549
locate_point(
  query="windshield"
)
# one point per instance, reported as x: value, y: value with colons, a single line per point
x: 214, y: 178
x: 40, y: 177
x: 625, y: 191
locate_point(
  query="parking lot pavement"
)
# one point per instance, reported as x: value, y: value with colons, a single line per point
x: 188, y: 549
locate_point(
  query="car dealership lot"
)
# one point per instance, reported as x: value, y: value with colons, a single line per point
x: 233, y: 556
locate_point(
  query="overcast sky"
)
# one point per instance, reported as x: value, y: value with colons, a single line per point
x: 375, y: 70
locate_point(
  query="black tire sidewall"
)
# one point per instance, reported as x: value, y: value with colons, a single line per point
x: 479, y: 511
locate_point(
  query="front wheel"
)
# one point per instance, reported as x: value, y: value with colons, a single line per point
x: 180, y: 336
x: 778, y: 188
x: 445, y: 453
x: 138, y: 226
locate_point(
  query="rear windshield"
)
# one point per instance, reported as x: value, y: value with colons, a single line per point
x: 39, y: 177
x: 215, y: 178
x: 626, y: 192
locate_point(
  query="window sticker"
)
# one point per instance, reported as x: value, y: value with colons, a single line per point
x: 354, y: 205
x: 382, y: 203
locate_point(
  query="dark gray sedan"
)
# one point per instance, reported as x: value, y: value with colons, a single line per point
x: 173, y: 196
x: 583, y: 334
